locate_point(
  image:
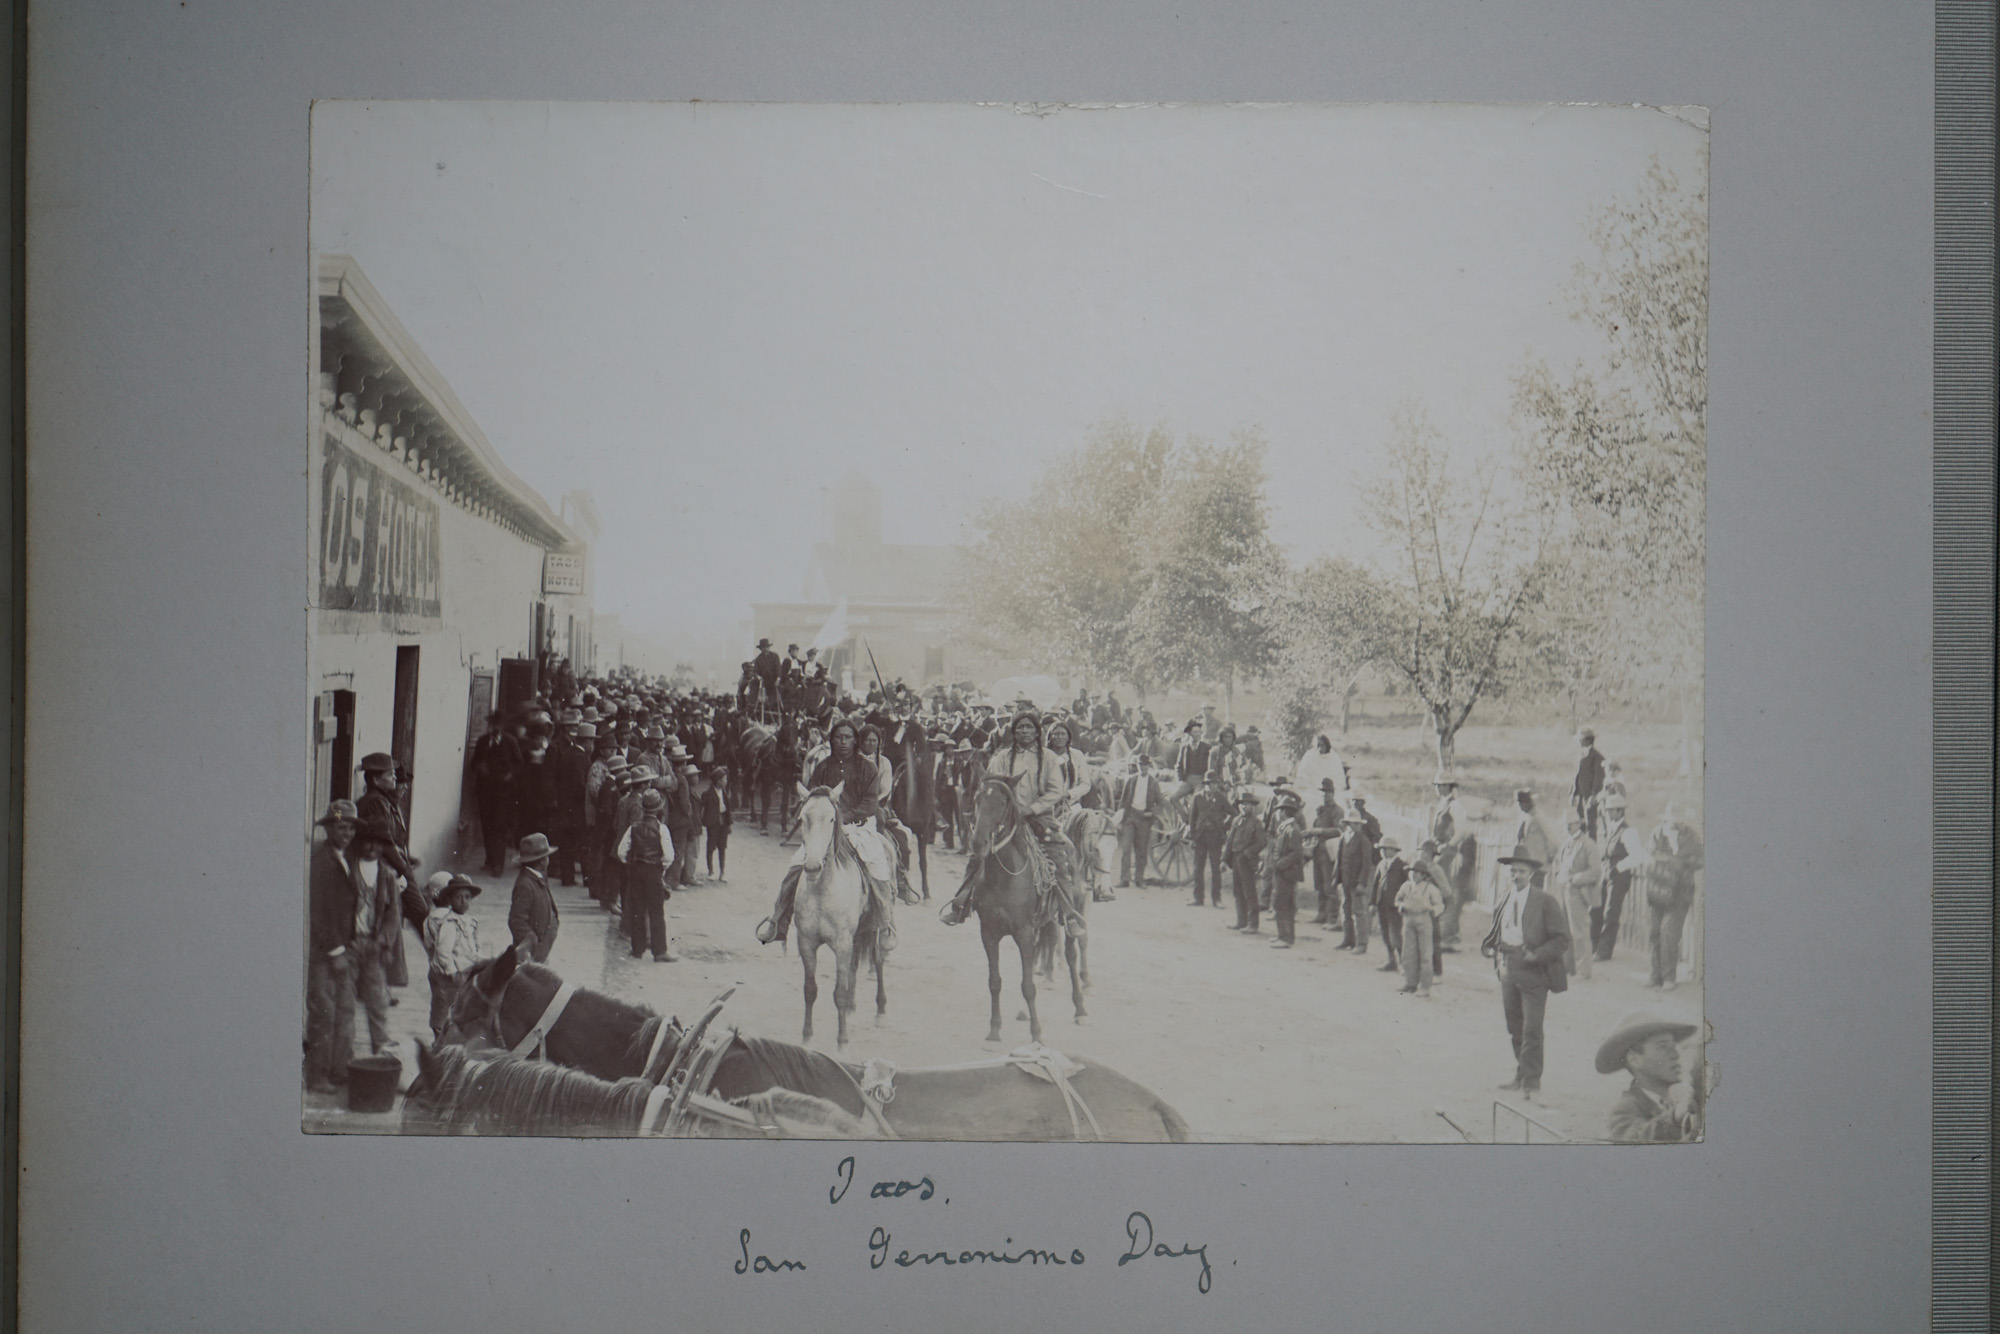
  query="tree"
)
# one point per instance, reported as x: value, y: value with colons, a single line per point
x: 1209, y: 567
x: 1618, y: 452
x: 1327, y: 627
x: 1054, y: 578
x: 1465, y: 562
x: 1133, y: 558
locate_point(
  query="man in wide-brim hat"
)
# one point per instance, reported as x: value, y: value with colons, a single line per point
x: 1526, y: 944
x: 532, y: 917
x: 1648, y: 1047
x: 1242, y: 849
x: 1624, y: 851
x: 333, y: 894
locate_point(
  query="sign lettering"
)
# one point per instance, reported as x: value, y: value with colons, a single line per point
x: 378, y: 539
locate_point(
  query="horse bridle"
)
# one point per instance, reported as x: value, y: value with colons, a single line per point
x: 994, y: 780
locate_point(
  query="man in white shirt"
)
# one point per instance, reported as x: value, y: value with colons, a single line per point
x: 1139, y: 802
x: 1526, y: 943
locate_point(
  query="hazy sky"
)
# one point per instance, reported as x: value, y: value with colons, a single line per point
x: 703, y: 314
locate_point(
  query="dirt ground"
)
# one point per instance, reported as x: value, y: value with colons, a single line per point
x: 1249, y: 1043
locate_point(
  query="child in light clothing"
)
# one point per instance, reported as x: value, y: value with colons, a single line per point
x: 1421, y: 904
x: 451, y: 938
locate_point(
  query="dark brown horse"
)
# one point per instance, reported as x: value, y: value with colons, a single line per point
x: 988, y: 1100
x: 770, y: 759
x: 1008, y: 900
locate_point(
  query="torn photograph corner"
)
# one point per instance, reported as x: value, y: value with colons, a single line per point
x: 1164, y: 623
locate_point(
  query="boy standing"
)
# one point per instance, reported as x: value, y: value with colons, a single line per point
x: 451, y: 938
x: 1421, y: 904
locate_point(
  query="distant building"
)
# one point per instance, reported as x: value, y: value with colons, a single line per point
x: 896, y: 595
x: 443, y: 585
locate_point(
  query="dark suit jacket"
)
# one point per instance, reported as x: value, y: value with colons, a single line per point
x: 1209, y: 817
x: 1354, y: 860
x: 1246, y: 841
x: 533, y: 917
x: 572, y: 767
x: 332, y: 898
x: 1544, y: 939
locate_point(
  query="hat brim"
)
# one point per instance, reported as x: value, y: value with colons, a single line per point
x: 1528, y: 862
x: 1611, y: 1056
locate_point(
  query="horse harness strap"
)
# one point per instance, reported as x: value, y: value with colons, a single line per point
x: 1043, y: 1063
x: 534, y: 1043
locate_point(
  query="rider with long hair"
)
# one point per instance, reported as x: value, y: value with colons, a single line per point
x: 855, y: 782
x: 868, y: 744
x: 1036, y: 777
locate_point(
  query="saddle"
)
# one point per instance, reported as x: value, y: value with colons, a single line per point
x: 1052, y: 886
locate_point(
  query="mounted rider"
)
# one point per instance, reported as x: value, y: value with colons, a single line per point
x: 855, y: 783
x: 1039, y: 796
x: 1077, y: 778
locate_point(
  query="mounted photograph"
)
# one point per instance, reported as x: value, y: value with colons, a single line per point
x: 1153, y: 623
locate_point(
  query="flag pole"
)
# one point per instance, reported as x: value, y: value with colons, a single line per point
x: 878, y: 671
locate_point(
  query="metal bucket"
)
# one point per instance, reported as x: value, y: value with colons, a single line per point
x: 371, y: 1083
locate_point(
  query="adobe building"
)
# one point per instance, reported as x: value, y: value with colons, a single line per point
x: 441, y: 582
x: 896, y: 594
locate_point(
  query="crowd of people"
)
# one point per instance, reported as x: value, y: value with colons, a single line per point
x: 633, y: 785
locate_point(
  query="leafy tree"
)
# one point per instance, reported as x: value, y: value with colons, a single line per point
x: 1464, y: 556
x: 1209, y: 567
x: 1054, y: 578
x: 1327, y: 629
x: 1617, y: 453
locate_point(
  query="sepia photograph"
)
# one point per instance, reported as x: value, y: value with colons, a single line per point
x: 1151, y: 623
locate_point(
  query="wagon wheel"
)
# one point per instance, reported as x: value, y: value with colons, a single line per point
x: 1172, y: 856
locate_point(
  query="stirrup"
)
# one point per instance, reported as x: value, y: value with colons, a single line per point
x: 767, y: 931
x: 953, y: 913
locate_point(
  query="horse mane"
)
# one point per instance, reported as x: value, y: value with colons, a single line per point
x: 801, y: 1070
x: 591, y: 1005
x: 510, y: 1095
x: 641, y: 1045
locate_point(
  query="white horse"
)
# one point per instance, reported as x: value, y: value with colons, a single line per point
x: 829, y: 908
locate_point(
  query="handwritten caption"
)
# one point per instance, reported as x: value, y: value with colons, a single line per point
x: 1141, y: 1242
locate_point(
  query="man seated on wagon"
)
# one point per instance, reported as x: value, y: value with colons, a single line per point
x: 854, y: 782
x: 1036, y: 778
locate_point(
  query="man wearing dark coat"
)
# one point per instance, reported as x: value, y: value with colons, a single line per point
x: 1391, y: 872
x: 532, y: 917
x: 1208, y: 829
x: 333, y: 899
x: 1354, y: 872
x: 1589, y: 781
x: 1325, y: 837
x: 767, y: 665
x: 496, y: 757
x: 381, y: 810
x: 1530, y: 932
x: 569, y: 762
x: 1243, y: 849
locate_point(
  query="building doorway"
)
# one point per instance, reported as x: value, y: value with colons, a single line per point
x: 333, y: 748
x: 517, y: 684
x: 403, y: 721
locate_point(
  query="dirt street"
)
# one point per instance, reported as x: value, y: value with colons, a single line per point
x: 1249, y: 1043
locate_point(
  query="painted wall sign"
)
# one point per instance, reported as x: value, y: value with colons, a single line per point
x: 562, y: 572
x: 378, y: 539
